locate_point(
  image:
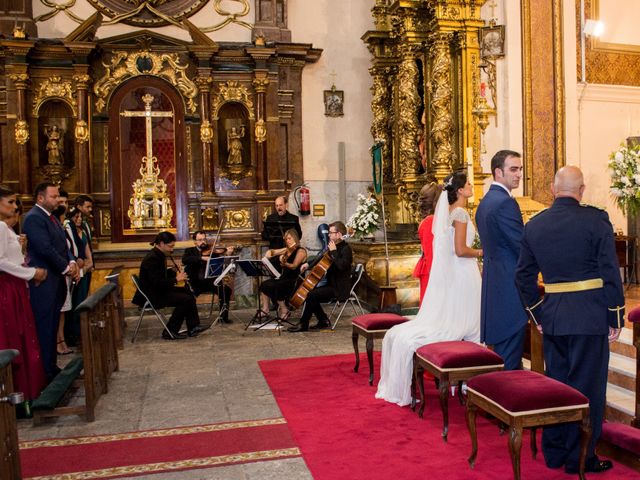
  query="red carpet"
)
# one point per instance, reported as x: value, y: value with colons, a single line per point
x: 153, y: 451
x: 343, y: 432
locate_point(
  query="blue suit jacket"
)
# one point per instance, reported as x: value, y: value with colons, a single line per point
x: 47, y: 248
x: 500, y: 227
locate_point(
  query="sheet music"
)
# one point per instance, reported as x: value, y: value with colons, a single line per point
x: 276, y: 274
x: 218, y: 266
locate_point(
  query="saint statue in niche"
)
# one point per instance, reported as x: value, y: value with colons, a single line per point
x: 54, y: 146
x: 234, y: 145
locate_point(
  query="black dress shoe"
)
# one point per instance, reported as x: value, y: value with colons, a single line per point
x: 297, y: 329
x: 197, y: 330
x: 593, y: 467
x: 176, y: 336
x: 320, y: 326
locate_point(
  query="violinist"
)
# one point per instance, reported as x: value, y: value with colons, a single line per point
x: 158, y: 281
x: 291, y: 258
x: 338, y: 280
x: 195, y: 260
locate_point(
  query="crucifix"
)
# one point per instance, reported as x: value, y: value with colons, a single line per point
x: 150, y: 204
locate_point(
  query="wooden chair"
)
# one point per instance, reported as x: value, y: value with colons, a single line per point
x: 371, y: 326
x: 523, y: 399
x: 450, y: 363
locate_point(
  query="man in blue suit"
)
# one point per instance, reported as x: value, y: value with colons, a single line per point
x: 573, y: 246
x: 499, y: 221
x: 47, y: 248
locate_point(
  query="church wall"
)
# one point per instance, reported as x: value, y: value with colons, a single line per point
x: 335, y: 26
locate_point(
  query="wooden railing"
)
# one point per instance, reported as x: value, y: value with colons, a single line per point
x: 98, y: 314
x: 9, y: 458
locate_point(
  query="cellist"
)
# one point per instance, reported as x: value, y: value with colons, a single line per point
x: 338, y: 280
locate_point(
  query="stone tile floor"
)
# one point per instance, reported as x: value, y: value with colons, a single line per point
x: 208, y: 379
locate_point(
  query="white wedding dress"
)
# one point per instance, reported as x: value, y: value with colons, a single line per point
x: 450, y: 308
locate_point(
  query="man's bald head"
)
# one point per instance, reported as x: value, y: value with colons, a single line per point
x: 568, y: 182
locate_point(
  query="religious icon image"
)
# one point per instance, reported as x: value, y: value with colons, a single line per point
x: 492, y: 41
x: 234, y: 145
x: 333, y: 102
x: 54, y: 144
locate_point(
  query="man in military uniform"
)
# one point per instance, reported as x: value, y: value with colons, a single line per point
x: 572, y: 245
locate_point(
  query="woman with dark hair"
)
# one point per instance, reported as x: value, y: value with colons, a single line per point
x: 291, y: 258
x: 17, y: 325
x: 451, y: 306
x: 428, y: 198
x: 158, y: 281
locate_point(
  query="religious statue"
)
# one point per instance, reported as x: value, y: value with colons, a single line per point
x: 54, y: 147
x: 234, y: 145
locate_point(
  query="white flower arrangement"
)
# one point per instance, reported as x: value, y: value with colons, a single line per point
x: 366, y: 218
x: 625, y: 178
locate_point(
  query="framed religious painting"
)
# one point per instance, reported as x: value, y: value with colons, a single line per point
x: 333, y: 102
x: 492, y: 41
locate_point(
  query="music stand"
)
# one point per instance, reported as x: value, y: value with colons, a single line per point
x: 259, y: 268
x: 218, y: 268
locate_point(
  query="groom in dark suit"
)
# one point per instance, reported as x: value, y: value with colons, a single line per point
x: 47, y: 248
x: 499, y: 221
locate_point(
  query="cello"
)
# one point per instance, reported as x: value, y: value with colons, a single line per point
x: 314, y: 276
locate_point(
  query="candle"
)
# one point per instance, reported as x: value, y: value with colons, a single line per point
x: 469, y: 160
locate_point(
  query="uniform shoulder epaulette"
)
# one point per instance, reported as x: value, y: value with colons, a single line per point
x: 598, y: 207
x: 538, y: 213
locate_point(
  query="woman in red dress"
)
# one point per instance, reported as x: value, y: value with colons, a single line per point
x: 428, y: 197
x: 17, y: 325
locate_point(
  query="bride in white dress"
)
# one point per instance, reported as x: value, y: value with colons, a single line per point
x: 450, y: 309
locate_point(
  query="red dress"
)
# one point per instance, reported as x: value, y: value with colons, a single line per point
x: 17, y: 325
x: 423, y: 267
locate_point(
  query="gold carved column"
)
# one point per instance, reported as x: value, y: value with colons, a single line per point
x: 441, y: 105
x: 81, y: 133
x: 408, y: 110
x: 381, y: 106
x: 20, y: 79
x: 206, y: 130
x: 260, y: 83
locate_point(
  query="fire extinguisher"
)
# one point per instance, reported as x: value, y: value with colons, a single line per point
x: 302, y: 196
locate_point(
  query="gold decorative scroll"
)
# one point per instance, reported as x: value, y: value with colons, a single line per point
x: 238, y: 219
x: 441, y: 96
x: 260, y: 131
x: 54, y: 88
x: 21, y: 132
x: 206, y: 132
x: 125, y: 65
x: 232, y: 91
x: 82, y: 131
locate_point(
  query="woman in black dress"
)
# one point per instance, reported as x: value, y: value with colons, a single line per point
x: 291, y: 258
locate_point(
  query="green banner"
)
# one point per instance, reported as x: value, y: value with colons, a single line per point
x: 376, y: 161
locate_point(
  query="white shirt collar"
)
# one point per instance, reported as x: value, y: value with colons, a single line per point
x: 502, y: 186
x: 44, y: 209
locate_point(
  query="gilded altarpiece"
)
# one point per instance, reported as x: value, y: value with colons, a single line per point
x: 426, y: 82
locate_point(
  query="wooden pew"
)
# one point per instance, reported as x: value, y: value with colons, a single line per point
x: 119, y: 323
x: 99, y: 360
x: 9, y: 456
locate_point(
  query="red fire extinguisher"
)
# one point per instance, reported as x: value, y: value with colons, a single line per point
x: 302, y: 196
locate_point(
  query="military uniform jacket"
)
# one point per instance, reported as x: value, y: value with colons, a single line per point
x: 570, y: 242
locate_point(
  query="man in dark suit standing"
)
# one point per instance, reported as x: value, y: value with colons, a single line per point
x: 338, y: 280
x: 502, y: 317
x: 582, y: 311
x: 47, y: 248
x: 288, y: 220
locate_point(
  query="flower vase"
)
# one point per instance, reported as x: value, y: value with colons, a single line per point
x: 369, y: 237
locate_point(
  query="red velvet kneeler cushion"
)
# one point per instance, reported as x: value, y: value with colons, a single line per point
x: 623, y: 436
x: 634, y: 315
x: 458, y: 354
x: 378, y: 321
x: 522, y: 391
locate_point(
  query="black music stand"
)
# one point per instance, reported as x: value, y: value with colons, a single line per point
x: 260, y: 268
x: 218, y: 268
x: 275, y: 231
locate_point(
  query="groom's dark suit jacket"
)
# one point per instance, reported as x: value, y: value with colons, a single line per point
x: 500, y: 227
x: 47, y: 248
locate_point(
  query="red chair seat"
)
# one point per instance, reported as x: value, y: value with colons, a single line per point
x: 378, y: 321
x: 634, y: 315
x: 458, y: 354
x: 521, y: 391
